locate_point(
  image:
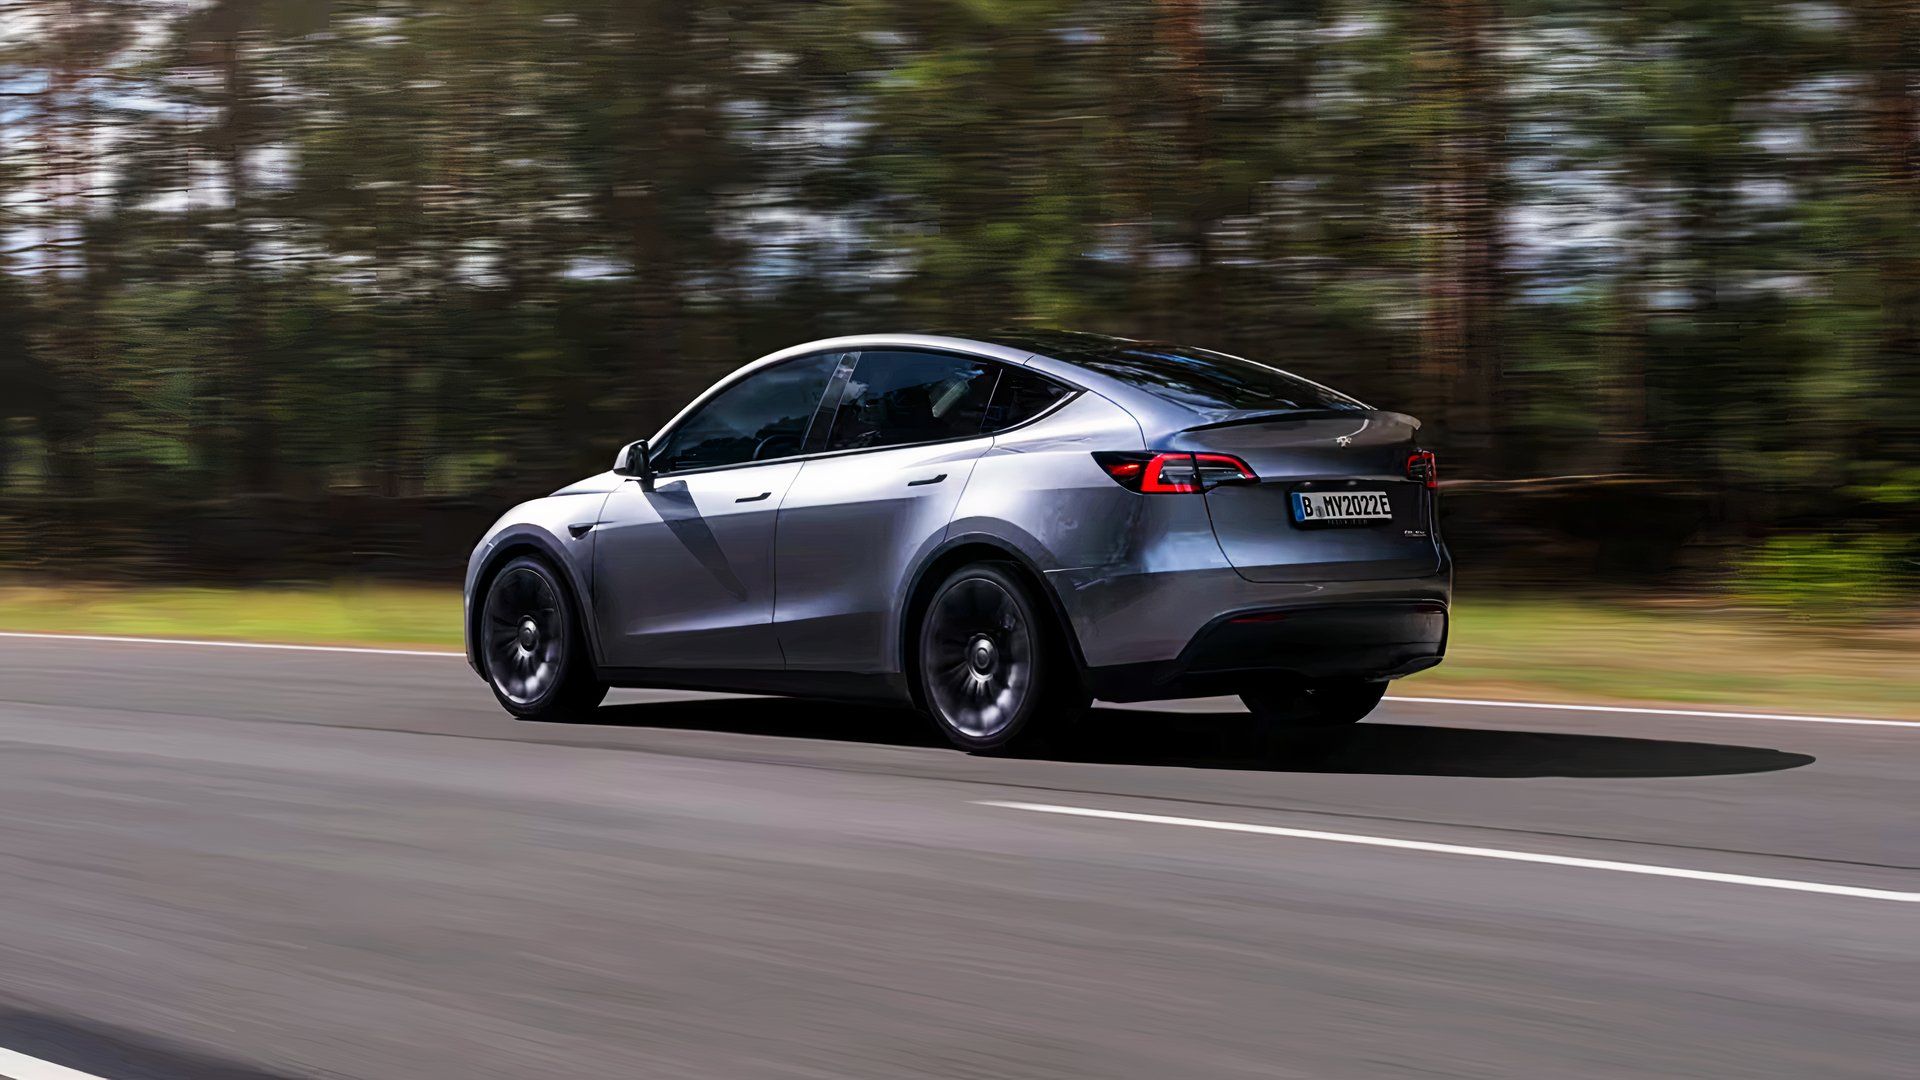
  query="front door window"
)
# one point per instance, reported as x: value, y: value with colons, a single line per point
x: 763, y: 417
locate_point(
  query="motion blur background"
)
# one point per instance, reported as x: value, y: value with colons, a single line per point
x: 294, y: 290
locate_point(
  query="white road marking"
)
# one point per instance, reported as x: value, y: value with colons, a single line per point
x: 1472, y: 702
x: 1649, y: 711
x: 21, y: 1067
x: 1475, y: 852
x: 228, y: 644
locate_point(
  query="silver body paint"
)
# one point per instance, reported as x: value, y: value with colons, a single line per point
x: 798, y: 575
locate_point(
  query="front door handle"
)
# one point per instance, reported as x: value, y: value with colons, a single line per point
x: 755, y: 498
x: 928, y: 480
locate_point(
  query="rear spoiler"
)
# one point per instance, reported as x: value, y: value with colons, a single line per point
x: 1300, y: 414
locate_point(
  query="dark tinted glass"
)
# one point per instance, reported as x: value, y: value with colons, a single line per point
x: 1021, y: 396
x: 1210, y: 380
x: 763, y: 416
x: 895, y: 398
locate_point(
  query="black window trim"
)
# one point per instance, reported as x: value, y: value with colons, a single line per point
x: 836, y: 388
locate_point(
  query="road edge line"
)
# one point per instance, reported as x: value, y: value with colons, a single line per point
x: 1502, y: 854
x: 18, y: 1066
x: 1650, y: 710
x: 1489, y: 703
x: 214, y: 644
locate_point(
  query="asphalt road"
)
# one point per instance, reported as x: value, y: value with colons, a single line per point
x: 219, y: 864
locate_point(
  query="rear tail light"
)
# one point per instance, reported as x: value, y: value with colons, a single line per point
x: 1424, y: 467
x: 1174, y: 474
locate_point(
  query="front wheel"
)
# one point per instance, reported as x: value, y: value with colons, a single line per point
x: 993, y: 673
x: 535, y: 657
x: 1314, y: 705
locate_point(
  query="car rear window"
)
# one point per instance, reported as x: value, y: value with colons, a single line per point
x: 1210, y: 380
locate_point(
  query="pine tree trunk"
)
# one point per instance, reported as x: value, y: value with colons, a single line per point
x: 1891, y: 31
x: 1180, y: 34
x: 257, y: 453
x: 1465, y: 272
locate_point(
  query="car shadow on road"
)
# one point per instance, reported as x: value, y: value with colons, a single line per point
x: 99, y: 1048
x: 1229, y: 740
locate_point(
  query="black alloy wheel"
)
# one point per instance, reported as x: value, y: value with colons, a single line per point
x: 534, y: 658
x: 991, y: 673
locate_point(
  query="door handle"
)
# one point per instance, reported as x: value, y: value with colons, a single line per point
x: 928, y: 480
x: 755, y: 498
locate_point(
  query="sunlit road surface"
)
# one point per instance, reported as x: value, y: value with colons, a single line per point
x: 224, y: 864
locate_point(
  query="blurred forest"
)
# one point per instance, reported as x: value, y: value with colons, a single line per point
x: 293, y: 285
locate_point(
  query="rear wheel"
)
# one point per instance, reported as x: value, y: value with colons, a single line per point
x: 1314, y: 705
x: 535, y: 656
x: 993, y: 672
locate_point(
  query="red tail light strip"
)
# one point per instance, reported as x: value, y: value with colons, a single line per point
x: 1424, y: 467
x: 1174, y: 474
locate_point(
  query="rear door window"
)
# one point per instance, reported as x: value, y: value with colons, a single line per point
x: 899, y: 397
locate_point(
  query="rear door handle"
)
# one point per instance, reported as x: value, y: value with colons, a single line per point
x: 755, y: 498
x: 928, y: 480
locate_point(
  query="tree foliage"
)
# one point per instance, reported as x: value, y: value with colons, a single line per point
x: 420, y: 246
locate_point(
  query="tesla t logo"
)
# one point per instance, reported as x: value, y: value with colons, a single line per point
x: 1344, y: 440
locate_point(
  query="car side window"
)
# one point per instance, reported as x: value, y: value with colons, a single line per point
x: 1021, y: 396
x: 761, y: 417
x: 898, y: 397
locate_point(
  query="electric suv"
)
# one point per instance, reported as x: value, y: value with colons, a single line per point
x: 995, y: 530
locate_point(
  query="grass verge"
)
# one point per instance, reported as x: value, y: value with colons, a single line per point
x: 1678, y: 653
x: 1520, y: 649
x: 341, y: 615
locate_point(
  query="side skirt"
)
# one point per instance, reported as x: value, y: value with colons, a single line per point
x: 832, y: 685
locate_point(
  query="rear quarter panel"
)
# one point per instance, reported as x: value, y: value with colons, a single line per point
x: 1107, y: 553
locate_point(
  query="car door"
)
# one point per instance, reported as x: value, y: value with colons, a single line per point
x: 905, y: 433
x: 684, y: 573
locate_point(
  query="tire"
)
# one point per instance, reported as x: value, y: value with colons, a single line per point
x: 1314, y: 705
x: 531, y: 647
x: 994, y: 673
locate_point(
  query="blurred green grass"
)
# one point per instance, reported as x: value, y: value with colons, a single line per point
x: 1689, y: 653
x: 343, y: 614
x: 1521, y: 648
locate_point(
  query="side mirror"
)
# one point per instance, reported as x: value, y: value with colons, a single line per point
x: 636, y: 461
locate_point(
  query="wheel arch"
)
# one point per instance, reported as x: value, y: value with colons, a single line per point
x: 538, y: 543
x: 958, y: 551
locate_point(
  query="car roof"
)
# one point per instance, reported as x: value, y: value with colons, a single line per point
x: 1008, y: 353
x: 1040, y: 350
x: 1067, y: 356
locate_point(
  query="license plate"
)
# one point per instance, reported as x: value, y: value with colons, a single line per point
x: 1330, y: 507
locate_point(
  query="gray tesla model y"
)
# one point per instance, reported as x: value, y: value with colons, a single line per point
x: 995, y: 529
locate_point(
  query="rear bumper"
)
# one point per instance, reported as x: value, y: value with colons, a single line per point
x: 1374, y: 640
x: 1145, y: 636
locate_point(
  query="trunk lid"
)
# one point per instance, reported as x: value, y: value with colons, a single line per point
x: 1308, y: 452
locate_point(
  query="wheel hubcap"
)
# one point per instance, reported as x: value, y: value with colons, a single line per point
x: 982, y: 654
x: 978, y: 655
x: 525, y: 643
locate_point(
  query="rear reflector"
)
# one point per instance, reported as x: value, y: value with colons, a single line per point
x: 1174, y: 474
